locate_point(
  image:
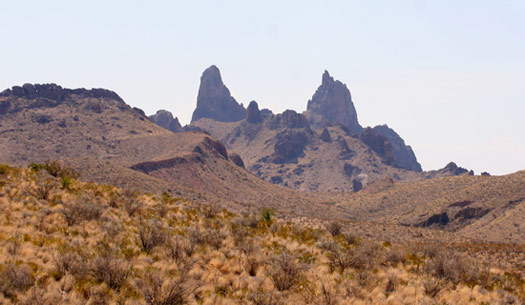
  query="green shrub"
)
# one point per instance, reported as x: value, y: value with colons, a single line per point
x: 267, y: 214
x: 54, y: 168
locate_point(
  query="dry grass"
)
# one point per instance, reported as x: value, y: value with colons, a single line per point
x: 83, y: 246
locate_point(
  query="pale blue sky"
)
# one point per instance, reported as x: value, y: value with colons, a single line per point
x: 448, y: 76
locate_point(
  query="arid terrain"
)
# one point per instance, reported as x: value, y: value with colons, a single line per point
x: 101, y: 204
x: 70, y: 242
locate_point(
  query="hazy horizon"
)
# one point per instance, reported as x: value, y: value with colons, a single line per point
x: 448, y: 77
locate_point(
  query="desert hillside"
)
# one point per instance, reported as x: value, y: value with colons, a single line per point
x: 70, y: 242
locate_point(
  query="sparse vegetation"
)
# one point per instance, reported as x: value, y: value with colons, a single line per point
x: 85, y: 245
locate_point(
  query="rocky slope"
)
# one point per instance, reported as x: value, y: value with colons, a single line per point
x: 323, y: 149
x: 98, y: 134
x: 104, y: 139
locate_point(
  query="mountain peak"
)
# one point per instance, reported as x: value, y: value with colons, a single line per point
x: 327, y: 78
x: 332, y: 103
x: 215, y: 101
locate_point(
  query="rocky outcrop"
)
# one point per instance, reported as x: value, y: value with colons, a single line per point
x: 345, y: 152
x: 289, y: 146
x: 254, y: 115
x: 165, y: 119
x: 50, y: 96
x: 350, y: 169
x: 332, y: 103
x: 379, y: 144
x: 215, y: 101
x: 404, y: 155
x: 289, y: 119
x: 325, y: 136
x: 451, y: 169
x: 55, y: 92
x: 237, y: 160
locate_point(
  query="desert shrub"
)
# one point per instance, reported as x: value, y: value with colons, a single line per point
x: 15, y: 278
x: 432, y: 286
x: 55, y: 168
x: 43, y: 186
x: 196, y: 235
x: 4, y: 169
x: 178, y: 249
x: 328, y: 245
x: 334, y: 228
x: 36, y: 296
x: 340, y: 259
x: 261, y: 297
x: 396, y: 255
x: 267, y: 215
x: 239, y: 233
x: 99, y: 295
x: 210, y: 210
x: 66, y: 182
x: 71, y: 263
x: 111, y: 227
x: 131, y: 205
x: 365, y: 255
x: 151, y: 235
x: 107, y: 268
x: 326, y: 296
x: 247, y: 246
x: 162, y: 290
x: 451, y: 266
x: 350, y: 238
x: 252, y: 265
x: 284, y: 271
x: 215, y: 238
x: 363, y: 279
x: 391, y: 284
x: 83, y: 209
x: 13, y: 244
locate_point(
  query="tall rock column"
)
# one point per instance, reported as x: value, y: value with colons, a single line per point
x: 215, y: 101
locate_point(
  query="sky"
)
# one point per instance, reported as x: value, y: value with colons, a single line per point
x: 448, y: 76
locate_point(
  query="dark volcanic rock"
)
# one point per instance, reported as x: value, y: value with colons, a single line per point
x: 436, y: 220
x: 237, y: 160
x: 290, y: 119
x: 451, y: 169
x: 332, y: 102
x: 379, y: 144
x: 403, y: 153
x: 55, y: 92
x: 165, y: 119
x: 346, y: 153
x: 455, y: 170
x: 215, y: 101
x: 325, y: 136
x: 254, y: 115
x: 350, y: 170
x: 48, y: 96
x: 289, y: 146
x: 357, y: 185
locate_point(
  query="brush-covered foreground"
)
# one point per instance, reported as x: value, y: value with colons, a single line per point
x: 70, y: 242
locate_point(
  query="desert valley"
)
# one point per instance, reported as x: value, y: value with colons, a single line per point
x: 103, y: 204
